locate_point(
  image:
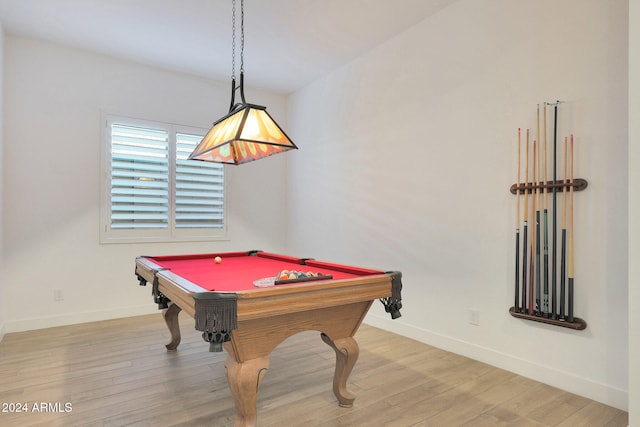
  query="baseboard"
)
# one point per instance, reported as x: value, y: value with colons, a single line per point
x: 566, y: 381
x: 75, y: 318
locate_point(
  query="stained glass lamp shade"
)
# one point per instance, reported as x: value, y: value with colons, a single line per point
x: 247, y: 133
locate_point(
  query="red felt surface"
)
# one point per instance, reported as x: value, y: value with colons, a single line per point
x: 238, y: 271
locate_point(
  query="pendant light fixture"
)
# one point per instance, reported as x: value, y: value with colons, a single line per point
x: 247, y: 132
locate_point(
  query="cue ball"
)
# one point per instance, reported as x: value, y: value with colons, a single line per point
x: 218, y: 260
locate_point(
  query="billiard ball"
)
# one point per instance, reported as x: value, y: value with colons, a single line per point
x: 217, y: 260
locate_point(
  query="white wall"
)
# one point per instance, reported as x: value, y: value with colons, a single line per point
x: 2, y: 298
x: 407, y: 155
x: 634, y: 213
x: 52, y: 176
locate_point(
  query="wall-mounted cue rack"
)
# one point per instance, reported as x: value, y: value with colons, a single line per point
x: 538, y: 294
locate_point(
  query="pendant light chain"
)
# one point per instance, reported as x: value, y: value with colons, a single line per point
x: 241, y: 36
x: 233, y: 42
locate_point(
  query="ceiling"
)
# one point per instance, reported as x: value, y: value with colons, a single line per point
x: 288, y: 43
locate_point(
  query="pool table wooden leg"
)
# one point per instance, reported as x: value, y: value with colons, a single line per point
x: 171, y: 318
x: 347, y: 352
x: 244, y: 380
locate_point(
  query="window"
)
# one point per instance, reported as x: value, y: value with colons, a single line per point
x: 151, y: 192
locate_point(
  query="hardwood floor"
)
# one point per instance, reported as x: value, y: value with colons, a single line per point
x: 118, y: 373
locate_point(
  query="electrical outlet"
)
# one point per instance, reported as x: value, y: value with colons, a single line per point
x: 58, y: 295
x: 474, y: 317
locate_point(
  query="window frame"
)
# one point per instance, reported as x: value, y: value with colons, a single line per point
x: 140, y: 235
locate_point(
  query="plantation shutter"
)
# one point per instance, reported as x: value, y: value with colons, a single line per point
x: 199, y: 195
x: 139, y: 177
x: 150, y: 192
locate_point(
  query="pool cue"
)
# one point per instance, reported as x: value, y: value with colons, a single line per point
x: 516, y: 305
x: 563, y: 266
x: 536, y: 160
x: 553, y: 218
x: 524, y: 228
x: 570, y: 277
x: 533, y: 236
x: 538, y: 223
x: 545, y: 306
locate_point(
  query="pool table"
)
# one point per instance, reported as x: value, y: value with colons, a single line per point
x: 240, y: 304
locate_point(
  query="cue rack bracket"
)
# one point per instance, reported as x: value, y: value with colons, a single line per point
x: 577, y: 324
x: 579, y: 184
